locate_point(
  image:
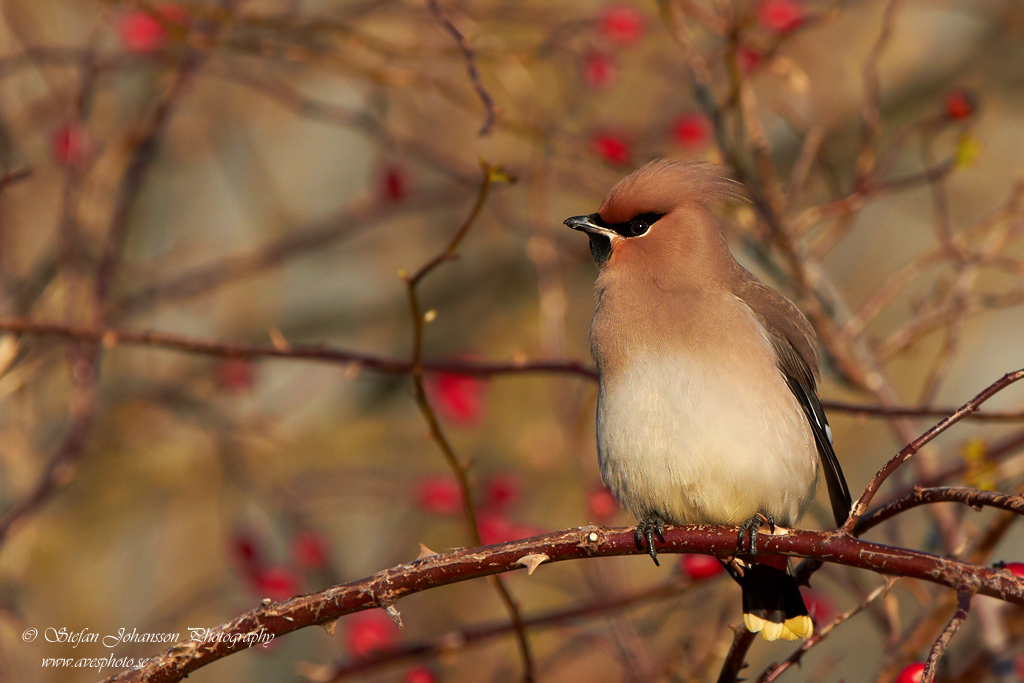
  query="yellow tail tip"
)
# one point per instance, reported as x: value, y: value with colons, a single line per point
x: 800, y: 627
x: 792, y: 629
x: 753, y: 623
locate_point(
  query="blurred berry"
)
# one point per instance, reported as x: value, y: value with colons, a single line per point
x: 700, y: 567
x: 500, y: 491
x: 911, y: 674
x: 276, y: 583
x: 236, y: 375
x: 369, y: 632
x: 460, y: 398
x: 309, y: 549
x: 419, y: 674
x: 599, y: 71
x: 245, y: 550
x: 621, y: 25
x: 692, y: 131
x: 439, y: 495
x: 141, y: 32
x: 394, y: 184
x: 611, y: 147
x: 748, y: 58
x: 960, y: 105
x: 1015, y: 568
x: 602, y: 504
x: 496, y: 528
x: 819, y: 606
x: 780, y: 16
x: 68, y: 144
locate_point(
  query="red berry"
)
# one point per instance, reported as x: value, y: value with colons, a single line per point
x: 394, y: 184
x: 69, y: 144
x: 960, y: 105
x: 599, y: 71
x: 700, y: 567
x: 276, y: 583
x: 141, y: 32
x: 748, y: 58
x: 439, y: 495
x: 460, y: 398
x: 1015, y: 568
x: 419, y: 674
x: 500, y: 491
x: 602, y: 504
x: 245, y: 550
x: 237, y: 375
x: 692, y: 130
x: 819, y: 606
x: 780, y: 16
x: 621, y: 25
x: 309, y: 549
x: 911, y: 674
x: 369, y: 632
x: 495, y: 528
x: 611, y: 147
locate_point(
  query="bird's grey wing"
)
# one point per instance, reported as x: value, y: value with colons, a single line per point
x: 793, y: 340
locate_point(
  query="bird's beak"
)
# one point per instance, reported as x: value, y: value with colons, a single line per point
x: 590, y: 224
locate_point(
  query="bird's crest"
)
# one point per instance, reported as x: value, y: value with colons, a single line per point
x: 666, y: 184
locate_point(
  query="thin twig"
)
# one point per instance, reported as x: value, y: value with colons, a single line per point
x: 963, y: 606
x: 459, y: 469
x: 968, y: 496
x: 451, y: 641
x: 470, y: 58
x: 914, y: 446
x: 775, y: 670
x: 113, y: 337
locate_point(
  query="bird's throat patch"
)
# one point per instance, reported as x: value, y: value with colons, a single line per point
x: 600, y: 247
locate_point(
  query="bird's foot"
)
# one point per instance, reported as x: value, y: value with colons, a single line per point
x: 646, y: 530
x: 751, y: 528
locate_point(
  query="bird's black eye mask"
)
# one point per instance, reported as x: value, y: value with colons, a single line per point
x: 637, y: 226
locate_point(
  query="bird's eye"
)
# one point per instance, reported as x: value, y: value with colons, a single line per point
x: 638, y: 226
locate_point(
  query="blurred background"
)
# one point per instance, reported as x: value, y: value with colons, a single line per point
x: 257, y: 174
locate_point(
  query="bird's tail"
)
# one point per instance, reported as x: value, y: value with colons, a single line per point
x: 772, y: 604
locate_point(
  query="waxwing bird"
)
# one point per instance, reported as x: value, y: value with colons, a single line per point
x: 707, y: 410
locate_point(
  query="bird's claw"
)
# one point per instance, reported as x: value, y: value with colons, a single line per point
x: 646, y: 530
x: 751, y: 527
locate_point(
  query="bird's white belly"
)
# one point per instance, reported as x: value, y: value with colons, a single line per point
x: 695, y: 442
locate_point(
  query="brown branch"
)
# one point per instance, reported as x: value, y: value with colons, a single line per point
x: 968, y: 496
x: 914, y: 446
x: 871, y: 114
x: 457, y: 640
x: 775, y: 670
x: 14, y: 176
x: 209, y: 277
x: 86, y: 360
x: 963, y: 600
x: 470, y: 58
x: 389, y: 585
x: 460, y: 469
x: 112, y: 337
x: 736, y: 659
x: 133, y: 177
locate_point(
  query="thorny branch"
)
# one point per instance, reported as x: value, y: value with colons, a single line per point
x: 459, y: 469
x: 112, y: 337
x: 963, y: 606
x: 470, y: 58
x: 431, y: 572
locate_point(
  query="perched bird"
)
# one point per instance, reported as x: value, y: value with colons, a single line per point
x: 707, y: 410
